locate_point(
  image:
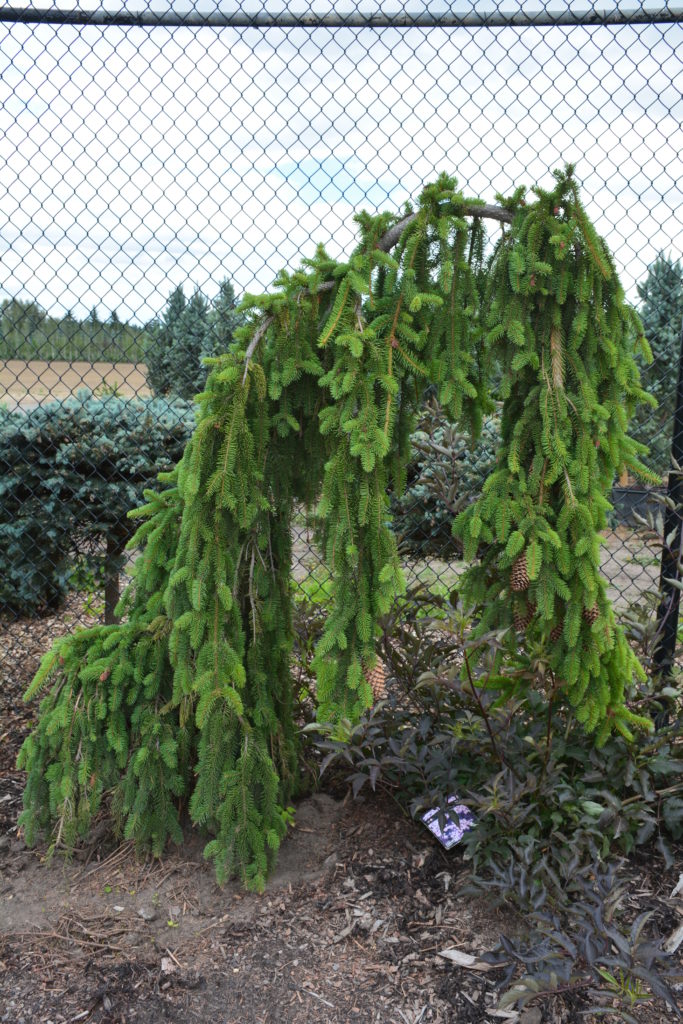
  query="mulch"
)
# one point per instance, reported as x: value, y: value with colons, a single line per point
x: 359, y: 943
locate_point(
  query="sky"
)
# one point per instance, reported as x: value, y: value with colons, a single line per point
x: 133, y: 160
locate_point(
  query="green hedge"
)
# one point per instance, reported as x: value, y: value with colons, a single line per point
x: 69, y: 473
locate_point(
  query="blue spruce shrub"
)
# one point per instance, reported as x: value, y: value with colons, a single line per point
x: 69, y: 473
x: 445, y: 473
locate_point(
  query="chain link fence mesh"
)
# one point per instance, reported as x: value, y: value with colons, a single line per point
x: 151, y: 173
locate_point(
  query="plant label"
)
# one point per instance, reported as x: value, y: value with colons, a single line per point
x: 456, y: 819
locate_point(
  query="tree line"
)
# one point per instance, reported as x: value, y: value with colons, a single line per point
x: 28, y: 332
x: 172, y: 345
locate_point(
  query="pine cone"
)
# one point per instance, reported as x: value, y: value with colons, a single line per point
x: 556, y: 632
x: 591, y: 614
x: 377, y: 678
x: 519, y: 574
x: 522, y: 616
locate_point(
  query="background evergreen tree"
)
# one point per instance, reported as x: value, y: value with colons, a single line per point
x: 188, y: 332
x: 69, y: 326
x: 223, y: 320
x: 661, y: 295
x: 92, y: 329
x: 162, y: 340
x: 188, y: 373
x: 118, y: 338
x: 445, y: 473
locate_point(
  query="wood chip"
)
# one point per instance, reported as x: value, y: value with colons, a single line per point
x: 316, y: 996
x: 674, y: 940
x: 167, y: 965
x: 461, y: 959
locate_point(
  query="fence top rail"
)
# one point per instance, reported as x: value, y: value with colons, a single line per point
x: 470, y: 16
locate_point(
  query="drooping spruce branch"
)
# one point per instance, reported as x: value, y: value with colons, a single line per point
x: 565, y: 339
x: 188, y: 703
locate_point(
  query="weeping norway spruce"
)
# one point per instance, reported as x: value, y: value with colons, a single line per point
x: 185, y: 708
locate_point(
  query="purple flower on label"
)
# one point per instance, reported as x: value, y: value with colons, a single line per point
x: 456, y: 820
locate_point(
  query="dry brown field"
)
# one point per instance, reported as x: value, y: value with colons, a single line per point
x: 31, y: 383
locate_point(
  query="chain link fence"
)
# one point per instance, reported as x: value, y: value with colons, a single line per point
x: 157, y: 163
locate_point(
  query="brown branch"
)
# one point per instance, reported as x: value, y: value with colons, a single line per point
x: 482, y: 709
x: 391, y: 237
x: 258, y: 334
x: 387, y: 241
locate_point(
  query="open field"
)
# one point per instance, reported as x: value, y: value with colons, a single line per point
x: 23, y: 384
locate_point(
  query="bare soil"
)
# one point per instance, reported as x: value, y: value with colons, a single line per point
x: 24, y: 384
x: 348, y: 929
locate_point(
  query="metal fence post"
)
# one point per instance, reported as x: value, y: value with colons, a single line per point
x: 667, y: 612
